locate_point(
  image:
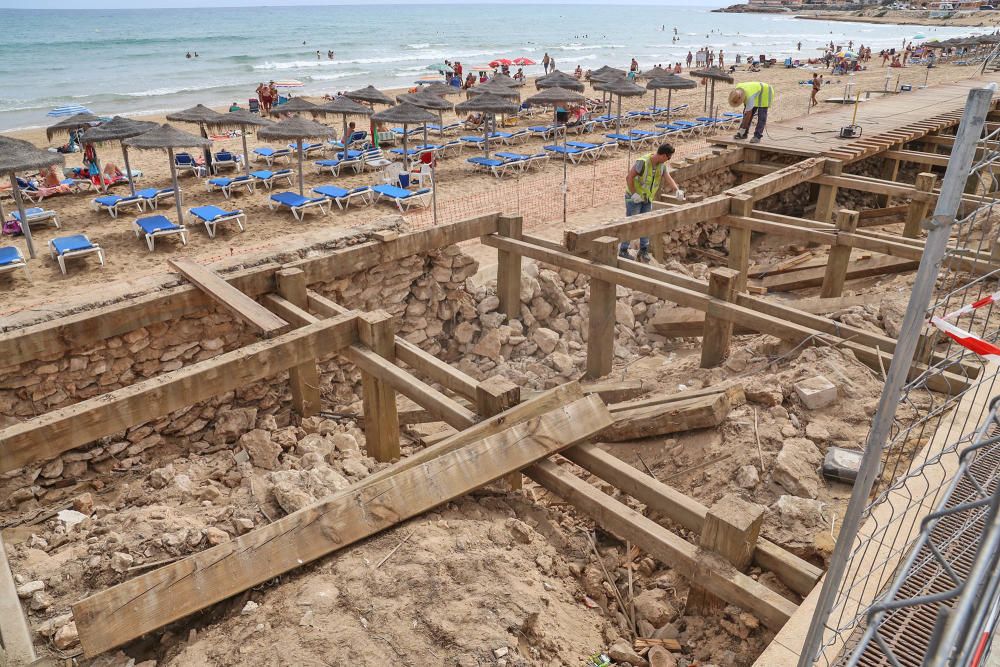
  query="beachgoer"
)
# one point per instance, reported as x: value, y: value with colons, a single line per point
x: 483, y: 78
x: 552, y: 64
x: 642, y: 186
x: 545, y: 62
x: 799, y: 46
x: 470, y: 80
x: 53, y: 178
x: 756, y: 98
x: 189, y: 54
x: 234, y: 107
x: 578, y: 72
x: 458, y: 69
x: 519, y: 74
x: 817, y: 83
x: 689, y: 59
x: 677, y: 68
x: 195, y: 54
x: 722, y: 60
x: 634, y: 66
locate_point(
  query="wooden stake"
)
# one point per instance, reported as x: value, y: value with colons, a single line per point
x: 715, y: 342
x: 304, y: 379
x: 917, y: 210
x: 840, y: 256
x: 377, y: 331
x: 509, y: 268
x: 826, y: 200
x: 731, y: 529
x: 493, y: 396
x: 601, y: 323
x: 739, y: 241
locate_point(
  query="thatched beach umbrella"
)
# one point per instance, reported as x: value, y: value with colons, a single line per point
x: 369, y: 94
x: 242, y: 119
x: 15, y: 156
x: 78, y: 121
x: 557, y: 79
x: 203, y: 117
x: 507, y: 80
x: 621, y: 88
x: 430, y: 102
x: 493, y: 88
x: 669, y: 83
x: 297, y: 129
x: 490, y: 104
x: 405, y: 114
x: 118, y: 129
x: 166, y: 137
x: 345, y: 106
x: 713, y: 74
x: 656, y: 72
x: 439, y: 89
x: 606, y: 72
x: 297, y: 105
x: 554, y: 97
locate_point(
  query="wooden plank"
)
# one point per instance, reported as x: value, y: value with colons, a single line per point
x: 733, y: 390
x: 685, y: 323
x: 917, y: 157
x: 862, y: 268
x: 601, y: 318
x: 493, y: 396
x: 304, y: 379
x: 377, y: 331
x: 780, y: 180
x: 799, y: 575
x: 235, y: 301
x: 885, y: 211
x: 718, y: 332
x: 739, y: 243
x: 840, y: 256
x: 434, y: 369
x: 916, y: 213
x: 16, y: 647
x: 666, y: 418
x: 874, y: 185
x: 63, y: 429
x: 509, y: 268
x: 150, y: 601
x: 714, y: 573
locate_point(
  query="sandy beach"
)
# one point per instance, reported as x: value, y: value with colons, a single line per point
x: 130, y: 265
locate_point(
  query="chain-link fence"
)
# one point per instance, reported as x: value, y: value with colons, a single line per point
x: 935, y: 395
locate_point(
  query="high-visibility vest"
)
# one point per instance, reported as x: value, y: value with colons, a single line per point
x: 649, y: 179
x: 757, y: 94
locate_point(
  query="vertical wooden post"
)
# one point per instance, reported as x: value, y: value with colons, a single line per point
x: 718, y: 332
x: 890, y: 172
x: 509, y: 268
x: 493, y: 396
x: 826, y: 200
x: 917, y: 209
x: 377, y: 331
x: 731, y: 529
x: 304, y: 379
x: 739, y: 240
x: 840, y: 256
x: 601, y: 322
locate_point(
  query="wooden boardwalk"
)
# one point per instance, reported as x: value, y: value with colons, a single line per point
x: 886, y: 122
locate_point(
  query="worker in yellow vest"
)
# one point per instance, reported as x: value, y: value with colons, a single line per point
x: 642, y: 185
x: 756, y: 98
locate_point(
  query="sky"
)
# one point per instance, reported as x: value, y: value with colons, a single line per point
x: 150, y: 4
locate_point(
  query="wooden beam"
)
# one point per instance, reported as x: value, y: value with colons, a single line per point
x: 601, y: 318
x: 150, y: 601
x: 509, y: 268
x: 714, y: 573
x: 862, y: 268
x: 63, y: 429
x: 874, y: 185
x: 722, y: 284
x: 826, y: 200
x: 666, y: 418
x: 840, y: 256
x: 493, y: 396
x: 796, y: 573
x: 917, y: 157
x: 780, y: 180
x: 739, y: 242
x: 304, y: 379
x: 916, y: 213
x: 235, y: 301
x: 16, y: 647
x: 378, y: 332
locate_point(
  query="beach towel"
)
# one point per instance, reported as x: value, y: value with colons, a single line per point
x: 12, y: 228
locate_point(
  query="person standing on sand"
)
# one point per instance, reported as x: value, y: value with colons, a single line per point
x: 756, y: 98
x: 689, y: 59
x: 799, y: 46
x: 642, y: 186
x: 722, y: 59
x: 545, y: 62
x: 817, y: 83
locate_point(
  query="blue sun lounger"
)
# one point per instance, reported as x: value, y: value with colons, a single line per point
x: 186, y: 162
x: 156, y: 226
x: 498, y: 168
x: 404, y: 199
x: 36, y: 214
x: 353, y: 160
x: 226, y: 159
x: 547, y: 131
x: 269, y: 155
x: 307, y: 148
x: 269, y: 178
x: 228, y: 185
x: 342, y: 196
x: 526, y: 160
x: 11, y: 259
x: 213, y: 215
x: 574, y: 155
x: 152, y: 196
x: 112, y: 203
x: 438, y: 129
x: 298, y: 204
x: 68, y: 247
x: 627, y: 139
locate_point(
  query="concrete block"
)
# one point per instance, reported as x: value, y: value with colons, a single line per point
x: 816, y: 392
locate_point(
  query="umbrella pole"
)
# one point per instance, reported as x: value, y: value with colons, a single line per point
x: 486, y: 136
x: 302, y: 178
x: 654, y: 101
x: 565, y: 187
x: 670, y: 94
x: 406, y: 167
x: 177, y: 187
x: 618, y: 121
x: 24, y: 217
x: 706, y: 96
x: 100, y: 173
x: 207, y: 150
x: 128, y: 169
x: 343, y: 139
x: 434, y: 199
x: 711, y: 105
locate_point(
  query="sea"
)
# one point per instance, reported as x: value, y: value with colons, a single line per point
x: 134, y: 61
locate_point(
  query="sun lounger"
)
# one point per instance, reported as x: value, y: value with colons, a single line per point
x: 35, y: 192
x: 37, y: 214
x: 113, y: 203
x: 585, y: 127
x: 511, y: 138
x: 688, y: 126
x: 627, y: 139
x: 307, y: 148
x: 526, y: 161
x: 497, y: 167
x: 404, y: 199
x: 213, y: 215
x: 547, y: 131
x: 157, y: 226
x: 592, y: 150
x: 226, y: 160
x: 228, y: 185
x: 574, y: 155
x: 443, y: 130
x: 343, y: 197
x: 186, y: 162
x: 11, y: 259
x: 152, y: 196
x: 374, y: 159
x: 298, y: 204
x: 353, y: 160
x: 270, y: 155
x: 269, y: 178
x: 68, y: 247
x: 449, y: 147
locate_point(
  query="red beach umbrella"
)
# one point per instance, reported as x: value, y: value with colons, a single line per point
x: 523, y: 61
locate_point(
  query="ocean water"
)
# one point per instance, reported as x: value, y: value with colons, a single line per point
x: 133, y: 61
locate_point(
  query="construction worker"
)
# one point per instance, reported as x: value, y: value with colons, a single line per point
x: 642, y: 186
x: 756, y: 98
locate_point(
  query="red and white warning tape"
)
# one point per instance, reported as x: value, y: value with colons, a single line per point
x: 968, y: 340
x: 965, y: 310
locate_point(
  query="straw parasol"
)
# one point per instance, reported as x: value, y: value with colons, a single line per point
x: 670, y: 83
x: 75, y: 122
x: 202, y: 116
x: 507, y: 80
x: 118, y: 129
x: 439, y: 89
x: 242, y: 119
x: 621, y: 88
x: 656, y: 72
x: 369, y: 94
x: 345, y: 106
x: 15, y: 156
x: 166, y: 137
x: 607, y: 72
x: 493, y: 88
x: 713, y: 74
x: 487, y: 103
x: 560, y: 80
x: 405, y: 114
x: 297, y: 129
x: 297, y: 105
x: 553, y: 97
x: 428, y: 101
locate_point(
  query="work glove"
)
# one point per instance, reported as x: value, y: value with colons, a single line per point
x: 679, y: 194
x: 636, y: 198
